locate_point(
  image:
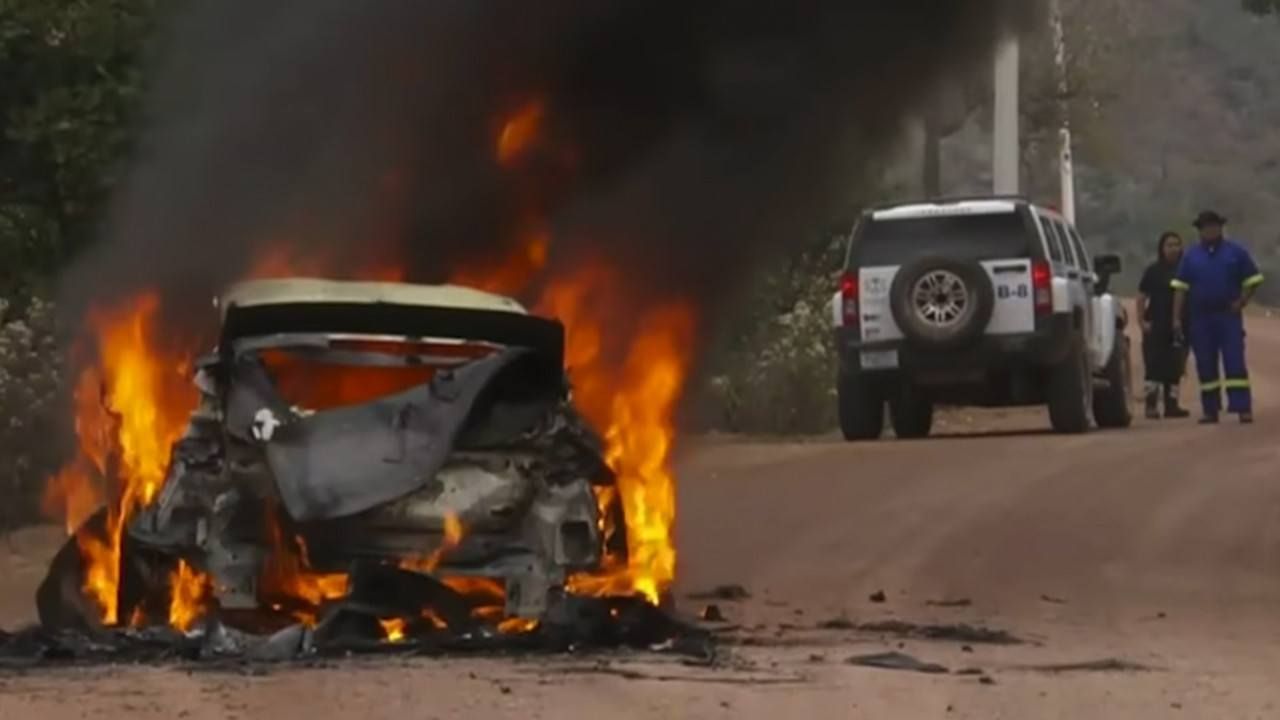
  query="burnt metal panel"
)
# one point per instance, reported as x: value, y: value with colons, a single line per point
x: 348, y: 460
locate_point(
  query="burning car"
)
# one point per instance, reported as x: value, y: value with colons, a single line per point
x: 345, y: 425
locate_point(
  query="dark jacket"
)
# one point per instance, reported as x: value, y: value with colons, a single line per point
x: 1164, y: 359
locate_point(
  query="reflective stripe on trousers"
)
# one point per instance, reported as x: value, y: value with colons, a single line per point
x: 1217, y: 339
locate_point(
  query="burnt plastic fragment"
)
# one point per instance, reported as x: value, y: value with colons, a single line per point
x: 384, y: 591
x: 60, y: 598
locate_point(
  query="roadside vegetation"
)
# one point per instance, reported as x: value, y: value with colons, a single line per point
x: 1175, y: 104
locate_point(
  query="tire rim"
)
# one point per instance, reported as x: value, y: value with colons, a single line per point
x: 940, y: 298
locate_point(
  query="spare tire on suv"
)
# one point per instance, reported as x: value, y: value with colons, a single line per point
x: 941, y: 302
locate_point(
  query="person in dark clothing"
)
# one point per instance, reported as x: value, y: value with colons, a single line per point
x: 1163, y: 353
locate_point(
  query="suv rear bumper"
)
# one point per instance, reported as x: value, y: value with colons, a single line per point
x: 1048, y: 345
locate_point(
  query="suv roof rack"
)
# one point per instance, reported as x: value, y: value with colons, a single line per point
x: 950, y: 200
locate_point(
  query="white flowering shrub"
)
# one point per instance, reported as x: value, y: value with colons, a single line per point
x: 776, y: 375
x: 33, y: 410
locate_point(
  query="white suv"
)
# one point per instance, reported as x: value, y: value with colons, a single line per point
x: 990, y: 302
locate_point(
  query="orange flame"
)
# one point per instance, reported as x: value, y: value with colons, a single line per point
x: 434, y: 619
x: 517, y: 626
x: 477, y: 589
x: 72, y: 496
x: 635, y: 404
x: 286, y: 260
x: 287, y: 573
x: 393, y: 629
x: 134, y: 405
x: 129, y: 410
x: 152, y: 394
x: 520, y: 132
x: 515, y: 272
x: 452, y: 536
x: 189, y: 596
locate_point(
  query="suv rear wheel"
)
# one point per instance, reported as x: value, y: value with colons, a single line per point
x: 1111, y: 404
x: 911, y: 412
x: 1071, y: 390
x: 861, y: 407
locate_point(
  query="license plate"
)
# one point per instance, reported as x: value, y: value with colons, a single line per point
x: 880, y: 360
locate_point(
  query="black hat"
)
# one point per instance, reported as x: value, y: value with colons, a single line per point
x: 1209, y: 217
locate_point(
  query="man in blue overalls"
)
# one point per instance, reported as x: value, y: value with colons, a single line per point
x: 1217, y: 277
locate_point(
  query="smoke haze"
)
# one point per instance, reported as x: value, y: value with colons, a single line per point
x: 682, y: 140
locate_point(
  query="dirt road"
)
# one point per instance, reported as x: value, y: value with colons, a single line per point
x: 1155, y: 549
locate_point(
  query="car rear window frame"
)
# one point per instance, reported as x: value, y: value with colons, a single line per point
x: 1081, y: 251
x: 1051, y: 239
x: 1060, y: 228
x: 859, y: 245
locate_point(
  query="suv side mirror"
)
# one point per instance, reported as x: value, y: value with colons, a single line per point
x: 1105, y: 266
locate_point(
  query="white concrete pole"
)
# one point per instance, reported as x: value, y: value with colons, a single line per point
x: 1005, y: 140
x: 1066, y: 165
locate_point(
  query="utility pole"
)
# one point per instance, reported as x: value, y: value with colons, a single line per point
x: 1005, y: 140
x: 1066, y: 166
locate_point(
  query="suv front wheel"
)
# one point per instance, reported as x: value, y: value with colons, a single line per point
x: 861, y: 407
x: 1071, y: 390
x: 1111, y: 404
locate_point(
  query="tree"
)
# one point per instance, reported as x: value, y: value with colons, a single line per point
x: 71, y: 84
x: 1262, y: 7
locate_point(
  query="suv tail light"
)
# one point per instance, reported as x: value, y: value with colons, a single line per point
x: 849, y: 298
x: 1042, y: 286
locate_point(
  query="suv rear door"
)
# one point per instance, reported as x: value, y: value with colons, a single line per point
x: 1079, y: 277
x: 995, y: 234
x: 1100, y: 331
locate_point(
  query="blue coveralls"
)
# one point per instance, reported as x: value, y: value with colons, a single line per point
x: 1213, y: 277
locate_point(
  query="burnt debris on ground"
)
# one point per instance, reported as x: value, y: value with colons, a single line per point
x: 728, y: 593
x: 959, y: 632
x: 1106, y: 665
x: 897, y: 661
x: 387, y: 611
x: 952, y: 633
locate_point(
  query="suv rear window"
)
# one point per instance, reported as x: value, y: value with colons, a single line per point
x: 969, y: 237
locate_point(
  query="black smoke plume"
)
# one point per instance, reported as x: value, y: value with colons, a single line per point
x: 683, y: 140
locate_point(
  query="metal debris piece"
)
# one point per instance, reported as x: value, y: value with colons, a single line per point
x: 897, y: 661
x: 385, y: 591
x: 711, y: 613
x: 287, y: 644
x: 1104, y: 665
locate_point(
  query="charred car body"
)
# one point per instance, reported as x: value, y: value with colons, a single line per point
x: 420, y: 427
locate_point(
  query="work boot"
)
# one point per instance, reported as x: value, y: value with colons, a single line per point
x: 1153, y: 407
x: 1246, y: 418
x: 1172, y: 409
x: 1209, y: 420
